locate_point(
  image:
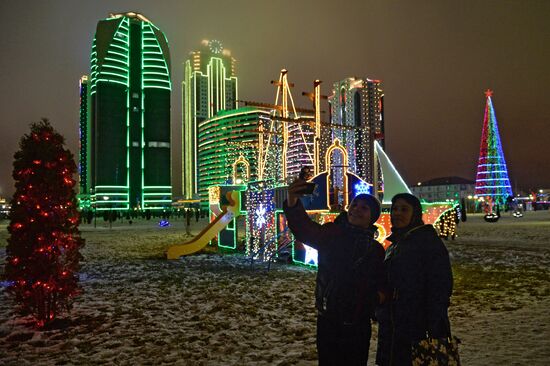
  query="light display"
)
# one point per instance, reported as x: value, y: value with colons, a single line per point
x: 260, y: 221
x: 210, y: 85
x: 260, y: 216
x: 312, y: 256
x: 241, y: 175
x: 446, y: 224
x: 164, y: 223
x: 361, y: 188
x: 283, y: 138
x: 492, y: 174
x: 129, y: 125
x: 42, y: 255
x: 227, y: 144
x: 393, y: 183
x: 357, y: 121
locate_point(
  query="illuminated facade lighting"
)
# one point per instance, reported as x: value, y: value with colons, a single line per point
x: 126, y: 147
x: 357, y: 106
x: 228, y: 148
x: 84, y: 143
x: 209, y: 86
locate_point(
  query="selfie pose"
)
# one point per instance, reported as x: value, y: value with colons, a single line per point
x: 350, y: 278
x: 420, y: 284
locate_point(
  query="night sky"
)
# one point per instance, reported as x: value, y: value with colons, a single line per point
x: 435, y: 59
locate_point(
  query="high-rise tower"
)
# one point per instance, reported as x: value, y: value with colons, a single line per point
x: 84, y: 144
x: 129, y: 159
x: 492, y: 174
x: 209, y: 86
x: 357, y: 106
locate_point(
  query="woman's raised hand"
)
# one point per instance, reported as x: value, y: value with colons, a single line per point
x: 295, y: 190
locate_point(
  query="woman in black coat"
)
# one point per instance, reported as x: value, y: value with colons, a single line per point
x: 420, y: 283
x: 349, y: 276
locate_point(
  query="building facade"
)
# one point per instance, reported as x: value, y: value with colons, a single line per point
x: 357, y: 105
x: 228, y: 148
x: 209, y: 86
x: 444, y: 189
x: 126, y: 152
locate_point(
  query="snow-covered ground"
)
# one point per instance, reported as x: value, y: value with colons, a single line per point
x: 211, y: 309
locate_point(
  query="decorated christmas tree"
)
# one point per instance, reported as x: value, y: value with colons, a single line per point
x: 43, y: 247
x: 492, y: 180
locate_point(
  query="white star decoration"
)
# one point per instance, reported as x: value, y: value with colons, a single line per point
x: 260, y: 216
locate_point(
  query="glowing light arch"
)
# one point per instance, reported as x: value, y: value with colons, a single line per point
x: 241, y: 160
x: 336, y: 146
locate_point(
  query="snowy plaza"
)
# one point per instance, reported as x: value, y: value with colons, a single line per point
x: 275, y: 183
x: 211, y: 309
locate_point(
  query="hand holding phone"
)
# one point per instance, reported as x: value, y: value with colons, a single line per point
x: 308, y: 188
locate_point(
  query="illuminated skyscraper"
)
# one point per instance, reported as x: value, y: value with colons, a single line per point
x: 209, y: 86
x: 129, y: 153
x: 228, y: 148
x: 84, y: 144
x: 357, y: 106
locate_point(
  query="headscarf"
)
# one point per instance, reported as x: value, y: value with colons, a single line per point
x: 416, y: 219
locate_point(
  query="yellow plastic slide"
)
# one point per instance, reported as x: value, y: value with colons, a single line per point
x: 208, y: 233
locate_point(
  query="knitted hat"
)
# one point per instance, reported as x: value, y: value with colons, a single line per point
x: 373, y: 204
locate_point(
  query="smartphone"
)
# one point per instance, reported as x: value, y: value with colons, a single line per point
x: 309, y: 188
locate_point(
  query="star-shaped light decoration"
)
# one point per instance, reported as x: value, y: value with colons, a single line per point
x: 488, y: 93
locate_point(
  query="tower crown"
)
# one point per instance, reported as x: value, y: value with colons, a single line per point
x: 129, y: 14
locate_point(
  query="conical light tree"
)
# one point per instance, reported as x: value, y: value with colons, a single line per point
x: 492, y: 180
x: 43, y: 248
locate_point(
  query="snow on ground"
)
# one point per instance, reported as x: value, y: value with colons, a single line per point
x: 212, y: 309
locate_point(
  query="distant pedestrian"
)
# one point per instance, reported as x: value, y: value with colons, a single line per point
x: 188, y: 215
x: 197, y: 215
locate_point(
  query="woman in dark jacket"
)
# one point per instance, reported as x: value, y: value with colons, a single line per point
x: 420, y: 283
x: 349, y: 276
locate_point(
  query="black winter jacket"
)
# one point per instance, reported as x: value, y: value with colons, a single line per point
x: 421, y: 282
x: 350, y: 265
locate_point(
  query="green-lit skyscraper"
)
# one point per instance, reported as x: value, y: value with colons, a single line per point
x: 84, y: 144
x: 129, y: 115
x: 209, y: 86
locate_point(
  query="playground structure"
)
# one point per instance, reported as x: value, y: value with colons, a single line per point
x: 229, y: 212
x: 290, y: 139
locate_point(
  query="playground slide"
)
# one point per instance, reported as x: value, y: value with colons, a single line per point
x: 227, y: 214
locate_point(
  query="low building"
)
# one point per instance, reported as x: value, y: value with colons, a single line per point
x: 444, y: 188
x: 4, y: 208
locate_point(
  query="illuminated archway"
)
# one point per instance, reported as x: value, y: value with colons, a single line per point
x: 241, y: 160
x: 336, y: 146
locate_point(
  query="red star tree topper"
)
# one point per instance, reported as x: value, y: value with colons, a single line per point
x: 43, y: 248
